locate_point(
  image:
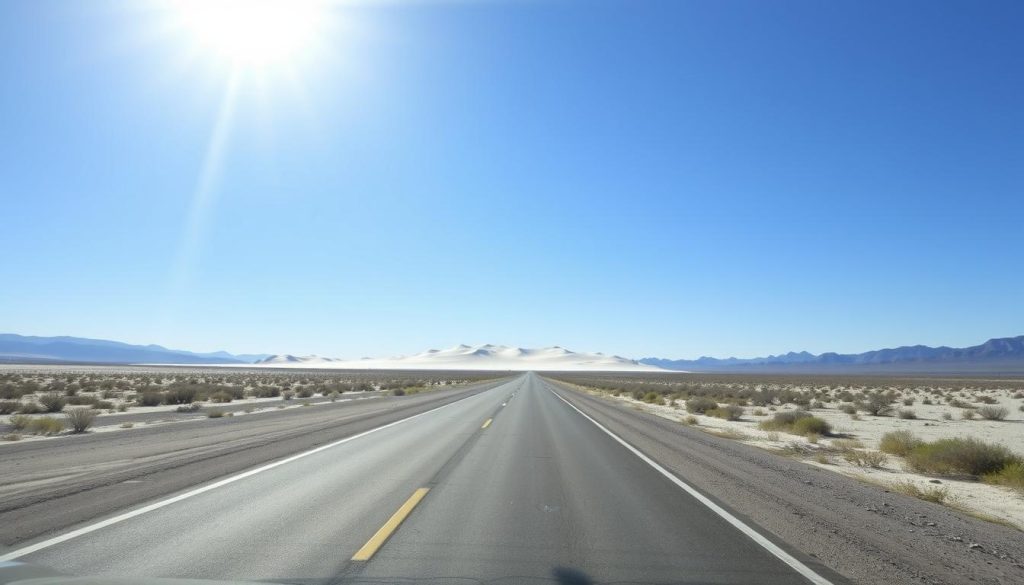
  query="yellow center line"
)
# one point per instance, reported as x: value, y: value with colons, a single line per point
x: 377, y: 540
x: 487, y: 423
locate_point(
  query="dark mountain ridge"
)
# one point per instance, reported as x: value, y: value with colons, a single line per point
x: 1004, y: 354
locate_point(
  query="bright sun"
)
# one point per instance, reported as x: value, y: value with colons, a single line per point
x: 253, y: 33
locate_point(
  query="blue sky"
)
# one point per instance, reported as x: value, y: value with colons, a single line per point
x: 676, y: 178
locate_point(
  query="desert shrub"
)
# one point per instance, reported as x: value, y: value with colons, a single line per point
x: 899, y: 443
x: 45, y: 425
x: 700, y: 405
x: 12, y: 437
x: 287, y: 395
x: 188, y: 407
x: 936, y: 494
x: 956, y: 403
x: 80, y: 419
x: 844, y: 445
x: 993, y: 412
x: 221, y: 397
x: 690, y: 420
x: 783, y: 421
x: 53, y: 402
x: 305, y: 392
x: 908, y: 402
x: 81, y: 400
x: 848, y: 409
x: 726, y: 412
x: 30, y: 408
x: 236, y: 392
x: 960, y: 456
x: 652, y: 398
x: 865, y: 458
x: 968, y: 413
x: 986, y: 399
x: 149, y: 398
x: 9, y: 406
x: 758, y: 412
x: 127, y: 425
x: 19, y: 422
x: 266, y: 392
x: 906, y: 413
x: 877, y: 405
x: 927, y: 401
x: 398, y: 392
x: 811, y: 425
x: 1011, y: 475
x: 214, y: 413
x: 181, y: 394
x: 333, y: 396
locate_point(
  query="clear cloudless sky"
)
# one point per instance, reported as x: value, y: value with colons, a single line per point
x: 646, y: 178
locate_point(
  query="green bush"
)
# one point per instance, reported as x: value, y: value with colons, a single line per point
x: 53, y: 402
x: 865, y: 458
x: 993, y: 412
x: 700, y: 405
x: 45, y: 425
x: 898, y: 443
x: 726, y: 412
x: 960, y: 456
x: 19, y: 422
x: 80, y: 419
x: 1012, y: 475
x: 936, y: 494
x: 783, y: 421
x: 811, y: 425
x: 652, y: 398
x: 149, y: 398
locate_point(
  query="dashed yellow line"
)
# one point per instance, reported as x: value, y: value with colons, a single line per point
x: 385, y: 532
x: 487, y: 423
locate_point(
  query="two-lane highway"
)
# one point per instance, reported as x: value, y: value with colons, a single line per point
x: 511, y: 485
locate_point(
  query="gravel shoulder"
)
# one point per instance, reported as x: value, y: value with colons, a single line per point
x: 864, y: 532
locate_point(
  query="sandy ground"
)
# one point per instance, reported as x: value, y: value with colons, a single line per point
x: 990, y: 502
x: 258, y: 405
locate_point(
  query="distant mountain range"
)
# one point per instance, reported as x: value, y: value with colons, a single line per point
x: 23, y: 348
x: 996, y: 355
x: 1003, y: 355
x: 474, y: 357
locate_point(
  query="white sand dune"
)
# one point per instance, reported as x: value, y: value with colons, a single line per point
x: 469, y: 357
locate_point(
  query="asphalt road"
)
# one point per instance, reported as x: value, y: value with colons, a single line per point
x: 507, y: 485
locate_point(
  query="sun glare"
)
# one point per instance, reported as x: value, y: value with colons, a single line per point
x: 253, y: 33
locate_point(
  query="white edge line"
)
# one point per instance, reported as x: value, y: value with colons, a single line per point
x: 756, y: 536
x: 157, y: 505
